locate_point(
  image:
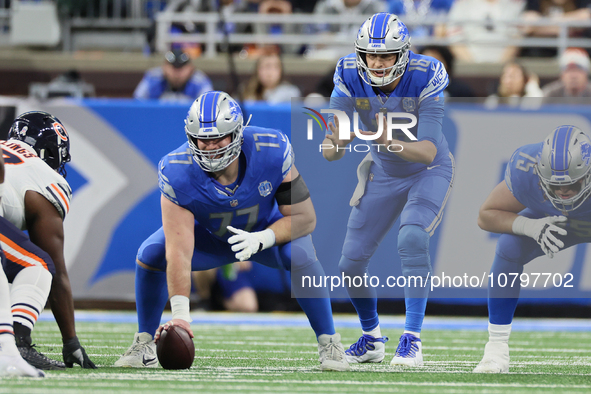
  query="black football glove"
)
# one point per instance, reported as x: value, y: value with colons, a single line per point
x: 73, y: 352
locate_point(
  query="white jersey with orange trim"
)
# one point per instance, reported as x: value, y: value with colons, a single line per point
x: 25, y: 171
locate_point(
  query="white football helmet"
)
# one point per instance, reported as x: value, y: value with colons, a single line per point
x: 383, y: 33
x: 565, y: 160
x: 214, y: 115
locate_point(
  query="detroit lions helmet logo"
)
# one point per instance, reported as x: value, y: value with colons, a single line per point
x: 586, y: 152
x: 265, y: 188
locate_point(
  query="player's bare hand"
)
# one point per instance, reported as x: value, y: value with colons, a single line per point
x: 334, y: 136
x: 174, y: 322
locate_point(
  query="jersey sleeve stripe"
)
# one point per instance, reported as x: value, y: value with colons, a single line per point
x: 67, y: 191
x: 56, y: 202
x: 20, y: 256
x: 63, y: 197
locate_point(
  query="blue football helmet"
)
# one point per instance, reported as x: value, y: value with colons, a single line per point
x: 46, y: 134
x: 383, y: 33
x: 215, y: 115
x: 565, y: 160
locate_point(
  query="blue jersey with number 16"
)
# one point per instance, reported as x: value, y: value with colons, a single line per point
x: 419, y: 92
x: 249, y: 204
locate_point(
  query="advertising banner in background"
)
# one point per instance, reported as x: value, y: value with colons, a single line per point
x: 116, y: 146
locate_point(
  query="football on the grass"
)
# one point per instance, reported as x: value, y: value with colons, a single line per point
x: 175, y: 349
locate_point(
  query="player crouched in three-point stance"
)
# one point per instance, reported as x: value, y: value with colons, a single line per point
x: 37, y: 198
x: 11, y: 361
x: 543, y: 182
x: 230, y: 192
x: 384, y: 76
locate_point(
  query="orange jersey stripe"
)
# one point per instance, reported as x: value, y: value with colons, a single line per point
x: 24, y: 252
x: 8, y: 331
x: 65, y: 200
x: 26, y: 311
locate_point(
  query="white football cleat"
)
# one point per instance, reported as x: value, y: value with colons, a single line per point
x: 495, y: 360
x: 141, y: 353
x: 12, y: 364
x: 409, y: 352
x: 331, y: 353
x: 367, y: 349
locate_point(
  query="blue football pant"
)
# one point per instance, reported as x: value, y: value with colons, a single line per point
x: 418, y: 200
x: 511, y: 255
x: 298, y: 257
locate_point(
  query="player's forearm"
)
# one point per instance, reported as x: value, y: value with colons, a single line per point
x: 496, y: 221
x: 417, y: 152
x: 178, y: 274
x: 62, y: 305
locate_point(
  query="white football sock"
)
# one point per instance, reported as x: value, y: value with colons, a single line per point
x: 416, y: 334
x: 499, y: 332
x: 7, y: 345
x: 376, y: 332
x: 29, y: 293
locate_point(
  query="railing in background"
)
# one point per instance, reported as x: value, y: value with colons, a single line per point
x: 212, y: 33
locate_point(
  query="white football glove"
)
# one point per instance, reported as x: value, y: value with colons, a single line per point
x: 541, y: 230
x: 246, y: 244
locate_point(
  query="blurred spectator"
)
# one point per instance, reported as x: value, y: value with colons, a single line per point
x: 231, y: 283
x: 268, y: 82
x: 344, y: 31
x: 416, y: 10
x: 176, y: 80
x: 68, y: 84
x: 515, y: 84
x: 558, y: 11
x: 574, y: 76
x: 456, y: 87
x: 303, y: 6
x: 487, y: 22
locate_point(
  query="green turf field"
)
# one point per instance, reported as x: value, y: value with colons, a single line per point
x: 272, y: 359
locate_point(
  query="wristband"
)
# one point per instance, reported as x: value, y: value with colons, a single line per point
x: 180, y: 308
x: 268, y: 238
x: 518, y: 226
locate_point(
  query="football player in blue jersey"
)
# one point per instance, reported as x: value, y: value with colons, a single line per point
x: 412, y: 183
x: 230, y: 193
x: 544, y: 183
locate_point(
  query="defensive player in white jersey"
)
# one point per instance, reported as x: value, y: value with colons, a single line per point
x: 11, y: 362
x: 37, y: 198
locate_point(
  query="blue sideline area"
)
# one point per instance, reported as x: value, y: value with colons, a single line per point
x: 300, y: 320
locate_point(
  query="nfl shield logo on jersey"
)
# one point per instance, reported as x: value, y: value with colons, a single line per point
x: 233, y: 203
x: 408, y: 104
x: 265, y: 188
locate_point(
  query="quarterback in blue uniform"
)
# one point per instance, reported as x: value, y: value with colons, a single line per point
x: 230, y: 193
x: 413, y: 183
x: 540, y: 208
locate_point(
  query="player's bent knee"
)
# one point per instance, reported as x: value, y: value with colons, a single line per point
x: 36, y: 276
x: 517, y: 249
x: 352, y: 267
x: 302, y: 253
x: 147, y: 267
x: 413, y: 240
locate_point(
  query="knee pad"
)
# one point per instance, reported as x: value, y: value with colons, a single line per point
x: 413, y: 247
x: 302, y: 253
x: 516, y: 249
x: 153, y: 255
x: 353, y: 267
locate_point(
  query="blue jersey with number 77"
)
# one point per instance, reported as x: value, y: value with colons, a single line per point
x: 249, y: 204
